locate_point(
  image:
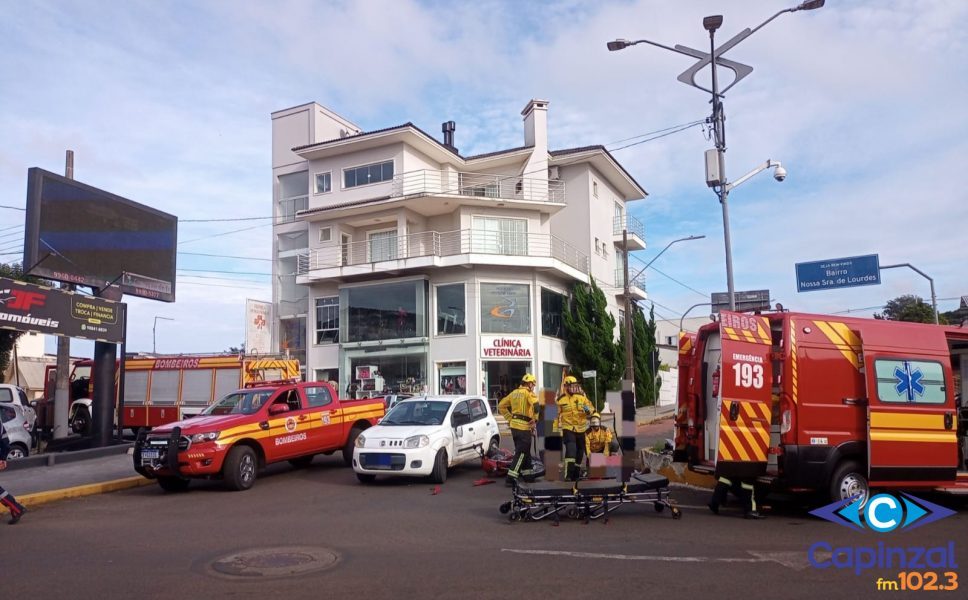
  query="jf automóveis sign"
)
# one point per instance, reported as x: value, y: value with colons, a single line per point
x: 28, y: 307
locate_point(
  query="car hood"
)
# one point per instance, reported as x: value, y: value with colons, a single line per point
x: 206, y: 424
x: 402, y: 432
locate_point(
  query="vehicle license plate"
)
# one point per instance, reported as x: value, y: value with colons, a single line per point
x: 147, y: 454
x: 382, y: 460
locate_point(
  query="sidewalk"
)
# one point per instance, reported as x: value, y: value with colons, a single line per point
x: 41, y: 484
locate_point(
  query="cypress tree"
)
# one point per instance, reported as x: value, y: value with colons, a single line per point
x: 590, y: 339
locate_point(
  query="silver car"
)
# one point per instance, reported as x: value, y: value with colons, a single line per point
x: 18, y: 428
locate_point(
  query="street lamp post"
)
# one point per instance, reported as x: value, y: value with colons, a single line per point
x: 629, y: 369
x: 153, y: 332
x: 715, y: 163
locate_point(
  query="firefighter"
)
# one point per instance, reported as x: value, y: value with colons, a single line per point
x: 520, y: 410
x: 574, y: 409
x: 7, y: 500
x: 599, y: 439
x: 745, y: 490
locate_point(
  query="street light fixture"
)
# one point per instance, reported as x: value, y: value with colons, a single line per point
x: 629, y: 370
x: 153, y: 330
x: 714, y: 158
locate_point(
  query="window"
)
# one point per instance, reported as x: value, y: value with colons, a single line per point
x: 293, y: 195
x: 196, y: 387
x: 325, y: 234
x: 453, y: 378
x: 462, y: 413
x: 478, y: 411
x: 496, y: 235
x: 598, y: 247
x: 318, y: 396
x: 552, y: 305
x: 324, y: 182
x: 385, y: 311
x: 136, y: 387
x: 505, y: 308
x: 327, y: 320
x: 451, y: 309
x: 910, y: 381
x: 368, y: 174
x: 6, y: 395
x: 383, y: 245
x: 164, y: 388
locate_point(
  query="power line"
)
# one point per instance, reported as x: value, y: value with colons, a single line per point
x: 215, y: 235
x: 225, y: 256
x: 10, y: 227
x: 635, y: 137
x: 236, y: 280
x: 12, y: 207
x: 227, y: 272
x: 652, y: 139
x: 224, y: 220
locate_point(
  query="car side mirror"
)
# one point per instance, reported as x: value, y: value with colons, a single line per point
x: 278, y: 409
x: 459, y: 431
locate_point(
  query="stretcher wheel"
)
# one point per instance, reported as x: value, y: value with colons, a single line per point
x: 676, y: 513
x: 659, y: 507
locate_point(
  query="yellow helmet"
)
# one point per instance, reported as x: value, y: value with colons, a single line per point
x: 570, y: 380
x: 528, y: 378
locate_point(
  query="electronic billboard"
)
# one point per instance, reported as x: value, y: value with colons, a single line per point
x: 80, y: 234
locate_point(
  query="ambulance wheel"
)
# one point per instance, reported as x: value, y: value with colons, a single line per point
x: 240, y: 468
x: 173, y: 484
x: 659, y: 507
x: 439, y: 474
x: 849, y: 481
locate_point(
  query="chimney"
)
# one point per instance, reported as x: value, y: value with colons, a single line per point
x: 536, y: 134
x: 448, y: 128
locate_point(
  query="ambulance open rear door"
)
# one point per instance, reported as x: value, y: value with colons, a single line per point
x: 745, y: 387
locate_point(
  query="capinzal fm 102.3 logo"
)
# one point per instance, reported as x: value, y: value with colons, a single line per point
x: 883, y: 513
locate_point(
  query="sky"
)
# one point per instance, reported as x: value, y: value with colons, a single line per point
x: 168, y: 103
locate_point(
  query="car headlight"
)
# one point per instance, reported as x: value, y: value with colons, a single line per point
x: 416, y: 441
x: 360, y: 441
x: 210, y: 436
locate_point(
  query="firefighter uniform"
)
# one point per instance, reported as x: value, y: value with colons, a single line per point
x: 743, y: 489
x: 599, y: 439
x: 520, y: 410
x: 574, y: 409
x: 7, y: 500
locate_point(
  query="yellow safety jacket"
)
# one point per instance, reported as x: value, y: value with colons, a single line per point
x: 573, y: 412
x: 519, y: 408
x: 598, y: 441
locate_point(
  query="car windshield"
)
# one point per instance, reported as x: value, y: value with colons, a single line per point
x: 417, y: 412
x: 239, y: 403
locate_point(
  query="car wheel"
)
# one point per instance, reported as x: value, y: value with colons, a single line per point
x: 18, y: 450
x: 82, y: 421
x: 173, y: 484
x: 439, y: 474
x: 848, y: 481
x: 350, y: 444
x: 302, y: 462
x: 494, y: 445
x: 366, y: 477
x: 240, y: 468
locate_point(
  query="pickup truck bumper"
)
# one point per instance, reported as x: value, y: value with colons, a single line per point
x: 174, y: 456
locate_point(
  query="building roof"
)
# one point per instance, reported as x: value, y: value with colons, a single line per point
x: 598, y: 148
x: 497, y: 153
x: 319, y: 209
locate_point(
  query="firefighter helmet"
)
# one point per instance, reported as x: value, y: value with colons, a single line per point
x: 595, y: 420
x: 570, y: 380
x: 528, y: 378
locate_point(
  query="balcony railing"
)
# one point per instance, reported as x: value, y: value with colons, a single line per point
x: 478, y: 185
x: 634, y: 226
x: 636, y: 281
x: 289, y: 207
x: 442, y: 244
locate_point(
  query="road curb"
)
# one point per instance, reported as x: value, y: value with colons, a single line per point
x: 89, y: 489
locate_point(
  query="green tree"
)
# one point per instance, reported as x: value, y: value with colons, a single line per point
x: 590, y: 338
x: 645, y: 356
x: 8, y: 337
x: 909, y: 308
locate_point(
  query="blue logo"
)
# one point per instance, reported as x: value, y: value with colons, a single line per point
x: 883, y: 513
x: 908, y: 381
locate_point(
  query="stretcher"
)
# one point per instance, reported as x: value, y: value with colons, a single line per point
x: 587, y: 499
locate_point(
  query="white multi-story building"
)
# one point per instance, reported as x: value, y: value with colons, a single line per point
x: 403, y: 266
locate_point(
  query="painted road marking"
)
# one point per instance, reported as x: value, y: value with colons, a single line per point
x: 793, y: 560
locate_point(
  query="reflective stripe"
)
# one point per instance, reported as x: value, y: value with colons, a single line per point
x: 725, y: 481
x: 749, y: 487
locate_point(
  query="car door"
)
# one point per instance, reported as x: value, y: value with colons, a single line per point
x: 464, y: 434
x: 912, y: 429
x: 326, y: 430
x: 480, y: 421
x: 289, y: 431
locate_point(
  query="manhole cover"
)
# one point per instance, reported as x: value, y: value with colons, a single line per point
x: 284, y: 561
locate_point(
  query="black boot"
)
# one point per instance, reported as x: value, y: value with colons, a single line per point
x: 719, y: 496
x: 16, y: 516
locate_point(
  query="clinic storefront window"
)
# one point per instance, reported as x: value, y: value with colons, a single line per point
x: 377, y: 374
x: 384, y: 311
x: 453, y: 378
x: 505, y: 308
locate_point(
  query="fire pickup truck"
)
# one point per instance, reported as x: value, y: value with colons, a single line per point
x: 825, y: 404
x: 244, y: 431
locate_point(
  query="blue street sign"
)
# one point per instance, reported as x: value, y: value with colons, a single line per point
x: 838, y: 273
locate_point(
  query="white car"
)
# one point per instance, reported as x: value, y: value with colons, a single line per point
x: 425, y: 436
x: 17, y: 425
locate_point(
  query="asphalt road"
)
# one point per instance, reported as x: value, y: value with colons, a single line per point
x: 396, y: 539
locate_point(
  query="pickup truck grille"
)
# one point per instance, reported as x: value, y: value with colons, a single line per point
x: 156, y: 441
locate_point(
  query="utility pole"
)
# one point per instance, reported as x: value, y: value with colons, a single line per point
x: 62, y: 396
x: 629, y: 370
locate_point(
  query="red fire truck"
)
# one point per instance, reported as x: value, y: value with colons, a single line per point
x: 825, y: 404
x: 160, y: 390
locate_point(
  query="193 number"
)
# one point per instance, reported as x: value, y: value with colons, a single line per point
x: 748, y: 375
